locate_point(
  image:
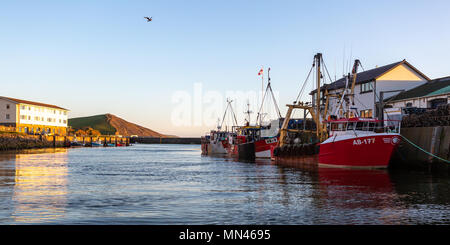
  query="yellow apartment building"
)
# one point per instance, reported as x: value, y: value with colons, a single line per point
x: 33, y: 117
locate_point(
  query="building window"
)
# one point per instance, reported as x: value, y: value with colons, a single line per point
x: 366, y: 113
x: 7, y: 106
x: 409, y: 104
x: 22, y: 107
x: 29, y: 117
x: 7, y: 116
x: 366, y: 87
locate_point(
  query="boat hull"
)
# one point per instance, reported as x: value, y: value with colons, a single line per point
x: 246, y: 151
x: 214, y: 148
x: 371, y: 151
x: 263, y: 147
x: 303, y: 156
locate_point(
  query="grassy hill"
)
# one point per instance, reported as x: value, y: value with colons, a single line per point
x: 109, y: 124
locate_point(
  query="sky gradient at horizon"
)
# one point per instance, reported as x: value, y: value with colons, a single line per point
x: 97, y: 57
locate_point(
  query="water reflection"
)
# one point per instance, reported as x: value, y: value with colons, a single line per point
x: 39, y: 180
x: 174, y: 184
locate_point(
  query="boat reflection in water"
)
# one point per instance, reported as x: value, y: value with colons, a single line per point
x: 39, y: 180
x: 360, y: 182
x: 351, y: 196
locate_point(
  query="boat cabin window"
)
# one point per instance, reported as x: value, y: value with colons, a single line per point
x: 350, y: 126
x: 359, y: 126
x: 371, y: 126
x: 338, y: 126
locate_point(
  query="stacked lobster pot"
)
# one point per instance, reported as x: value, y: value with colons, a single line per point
x: 418, y: 117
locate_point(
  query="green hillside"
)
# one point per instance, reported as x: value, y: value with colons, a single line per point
x: 109, y: 124
x: 98, y: 122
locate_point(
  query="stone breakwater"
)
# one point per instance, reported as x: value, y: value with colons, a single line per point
x: 15, y: 141
x: 18, y: 142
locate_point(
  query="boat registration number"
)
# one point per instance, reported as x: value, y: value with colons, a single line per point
x: 364, y: 141
x: 271, y: 140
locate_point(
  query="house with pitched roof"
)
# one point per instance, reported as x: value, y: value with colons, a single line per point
x: 372, y: 86
x: 426, y: 96
x: 33, y: 117
x: 429, y: 95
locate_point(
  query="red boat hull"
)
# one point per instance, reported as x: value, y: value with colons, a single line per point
x: 263, y: 147
x: 372, y: 151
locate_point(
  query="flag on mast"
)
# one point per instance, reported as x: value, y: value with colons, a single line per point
x: 260, y: 72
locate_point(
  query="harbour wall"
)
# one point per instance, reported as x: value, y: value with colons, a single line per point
x: 435, y: 140
x: 17, y: 141
x: 158, y: 140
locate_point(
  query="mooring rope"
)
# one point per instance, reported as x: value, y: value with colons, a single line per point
x: 429, y: 153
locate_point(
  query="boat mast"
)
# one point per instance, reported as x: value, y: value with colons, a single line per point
x: 318, y: 58
x: 268, y: 89
x: 248, y: 112
x: 232, y: 113
x: 262, y: 90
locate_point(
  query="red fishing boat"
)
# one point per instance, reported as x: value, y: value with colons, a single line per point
x: 252, y: 142
x: 360, y: 143
x: 341, y: 141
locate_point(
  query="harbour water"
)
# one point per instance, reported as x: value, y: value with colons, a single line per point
x: 174, y: 184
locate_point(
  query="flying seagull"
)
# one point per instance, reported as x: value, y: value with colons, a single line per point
x: 148, y: 19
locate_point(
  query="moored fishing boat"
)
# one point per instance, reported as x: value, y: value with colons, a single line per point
x: 256, y: 141
x: 217, y: 141
x: 214, y: 143
x: 347, y: 141
x: 359, y: 143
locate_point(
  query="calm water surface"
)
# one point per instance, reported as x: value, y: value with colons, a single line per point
x: 174, y: 184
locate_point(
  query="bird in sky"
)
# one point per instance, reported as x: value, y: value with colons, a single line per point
x: 148, y: 19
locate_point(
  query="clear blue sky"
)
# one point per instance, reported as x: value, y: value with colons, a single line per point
x: 95, y: 57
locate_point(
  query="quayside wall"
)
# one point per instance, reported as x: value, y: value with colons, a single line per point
x: 435, y: 140
x: 16, y: 141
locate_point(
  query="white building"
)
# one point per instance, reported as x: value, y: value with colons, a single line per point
x: 373, y: 85
x: 33, y: 117
x: 427, y: 96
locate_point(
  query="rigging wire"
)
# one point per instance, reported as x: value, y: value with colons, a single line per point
x: 304, y: 83
x: 326, y: 69
x: 268, y: 88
